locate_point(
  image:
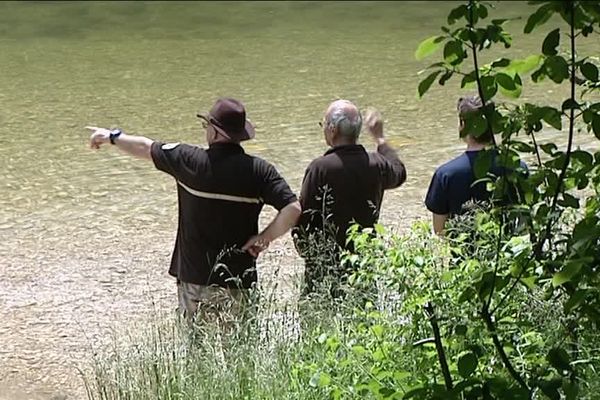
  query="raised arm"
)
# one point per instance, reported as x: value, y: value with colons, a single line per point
x: 138, y: 146
x: 394, y: 170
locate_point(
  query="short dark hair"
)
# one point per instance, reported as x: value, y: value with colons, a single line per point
x: 468, y: 105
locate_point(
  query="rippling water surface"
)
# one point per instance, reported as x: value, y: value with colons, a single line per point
x: 85, y: 236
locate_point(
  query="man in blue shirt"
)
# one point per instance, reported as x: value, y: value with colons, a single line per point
x: 452, y: 184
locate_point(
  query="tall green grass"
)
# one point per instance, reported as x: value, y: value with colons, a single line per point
x: 372, y: 342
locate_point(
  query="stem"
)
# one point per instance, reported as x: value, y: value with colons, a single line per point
x: 552, y: 220
x: 537, y: 150
x: 476, y: 66
x: 498, y: 345
x: 511, y: 288
x: 430, y: 313
x: 473, y: 46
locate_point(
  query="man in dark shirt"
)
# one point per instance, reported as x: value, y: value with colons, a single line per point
x: 221, y: 191
x: 452, y: 185
x: 343, y: 186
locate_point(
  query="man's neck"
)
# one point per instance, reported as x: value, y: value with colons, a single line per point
x: 475, y: 146
x: 343, y: 143
x: 221, y: 140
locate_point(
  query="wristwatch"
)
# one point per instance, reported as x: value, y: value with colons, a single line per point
x: 115, y: 133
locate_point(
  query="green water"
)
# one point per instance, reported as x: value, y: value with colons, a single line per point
x: 83, y: 233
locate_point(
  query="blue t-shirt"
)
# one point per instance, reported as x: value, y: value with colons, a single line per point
x: 452, y: 185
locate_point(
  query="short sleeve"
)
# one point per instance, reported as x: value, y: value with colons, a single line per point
x: 275, y: 191
x: 437, y: 196
x: 175, y: 159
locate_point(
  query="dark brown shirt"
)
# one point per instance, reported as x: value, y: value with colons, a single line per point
x: 221, y: 192
x: 346, y: 185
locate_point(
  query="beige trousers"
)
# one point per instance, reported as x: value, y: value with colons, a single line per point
x: 210, y: 303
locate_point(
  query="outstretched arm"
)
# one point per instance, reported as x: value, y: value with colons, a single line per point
x: 138, y: 146
x: 284, y: 221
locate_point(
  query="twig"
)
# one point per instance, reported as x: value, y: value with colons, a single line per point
x: 487, y: 318
x: 476, y: 65
x: 552, y: 220
x: 430, y: 313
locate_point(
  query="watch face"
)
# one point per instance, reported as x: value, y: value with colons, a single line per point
x: 113, y: 135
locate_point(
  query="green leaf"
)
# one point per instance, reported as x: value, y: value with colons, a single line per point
x: 559, y: 359
x: 444, y: 78
x: 466, y: 295
x: 575, y: 300
x: 570, y: 103
x: 468, y: 80
x: 454, y: 52
x: 590, y: 71
x: 525, y: 65
x: 387, y: 392
x: 457, y: 13
x: 552, y: 117
x: 475, y: 125
x: 569, y: 201
x: 583, y: 157
x: 460, y: 330
x: 427, y: 82
x: 506, y: 81
x: 551, y: 43
x: 548, y: 148
x: 320, y: 379
x: 428, y: 47
x: 501, y: 62
x: 596, y: 125
x: 571, y: 389
x: 482, y: 11
x: 550, y: 388
x: 557, y: 68
x: 567, y: 273
x: 467, y: 363
x: 489, y: 87
x: 516, y: 92
x: 539, y: 17
x: 529, y: 282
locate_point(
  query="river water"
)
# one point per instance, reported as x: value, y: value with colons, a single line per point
x: 85, y: 236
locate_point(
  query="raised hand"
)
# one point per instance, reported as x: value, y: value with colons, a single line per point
x: 374, y: 123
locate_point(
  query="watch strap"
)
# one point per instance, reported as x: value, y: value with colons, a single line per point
x: 114, y: 134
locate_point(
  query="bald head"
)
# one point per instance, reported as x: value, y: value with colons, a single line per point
x: 344, y: 118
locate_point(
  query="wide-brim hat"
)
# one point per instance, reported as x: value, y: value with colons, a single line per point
x: 228, y: 117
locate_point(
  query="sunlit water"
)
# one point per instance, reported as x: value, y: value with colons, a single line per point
x: 85, y: 236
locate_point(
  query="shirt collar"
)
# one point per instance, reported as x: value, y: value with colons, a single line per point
x: 345, y: 148
x: 227, y: 146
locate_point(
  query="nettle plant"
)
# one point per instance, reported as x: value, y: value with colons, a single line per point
x: 556, y: 253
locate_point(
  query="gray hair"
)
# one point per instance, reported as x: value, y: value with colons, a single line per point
x: 346, y: 121
x: 468, y: 104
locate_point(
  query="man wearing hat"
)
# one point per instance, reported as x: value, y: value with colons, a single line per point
x: 221, y: 192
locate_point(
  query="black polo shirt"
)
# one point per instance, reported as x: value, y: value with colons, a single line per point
x: 346, y: 185
x: 221, y: 192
